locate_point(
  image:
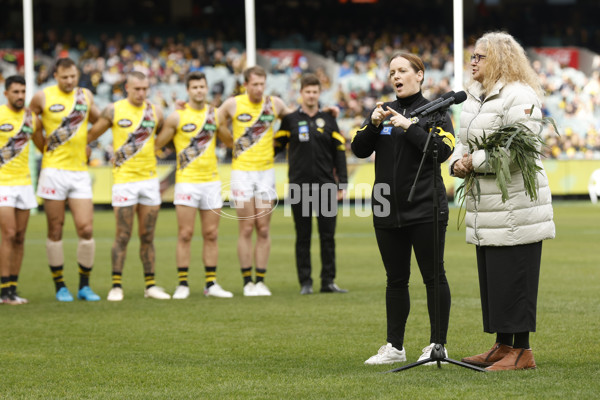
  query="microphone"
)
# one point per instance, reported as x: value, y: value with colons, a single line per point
x: 457, y: 98
x: 436, y: 101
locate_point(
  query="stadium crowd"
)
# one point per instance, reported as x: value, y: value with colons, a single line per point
x: 572, y: 98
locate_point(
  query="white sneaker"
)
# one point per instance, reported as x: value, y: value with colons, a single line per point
x: 261, y: 289
x: 427, y: 353
x: 181, y: 292
x: 155, y: 292
x: 387, y: 355
x: 217, y: 291
x: 21, y: 300
x: 115, y: 294
x: 250, y: 289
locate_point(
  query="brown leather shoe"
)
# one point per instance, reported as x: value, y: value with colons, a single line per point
x: 515, y: 359
x: 496, y: 353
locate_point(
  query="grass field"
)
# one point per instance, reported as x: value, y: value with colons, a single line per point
x: 289, y: 346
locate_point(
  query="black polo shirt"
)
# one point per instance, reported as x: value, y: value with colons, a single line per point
x: 317, y: 150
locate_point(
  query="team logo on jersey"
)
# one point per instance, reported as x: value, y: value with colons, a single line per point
x: 56, y: 108
x: 124, y: 123
x: 188, y: 127
x: 244, y: 117
x: 6, y: 127
x: 320, y: 122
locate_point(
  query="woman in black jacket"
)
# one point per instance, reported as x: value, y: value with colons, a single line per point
x: 401, y: 226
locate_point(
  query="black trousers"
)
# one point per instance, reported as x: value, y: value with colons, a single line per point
x: 322, y: 202
x: 509, y: 278
x: 395, y: 246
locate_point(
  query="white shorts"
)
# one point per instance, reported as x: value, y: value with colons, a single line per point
x: 60, y: 184
x: 205, y: 196
x: 248, y: 184
x: 146, y: 193
x: 21, y: 197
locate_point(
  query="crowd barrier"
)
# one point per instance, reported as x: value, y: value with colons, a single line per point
x: 566, y: 177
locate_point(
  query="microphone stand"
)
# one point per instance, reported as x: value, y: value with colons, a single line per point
x: 437, y: 353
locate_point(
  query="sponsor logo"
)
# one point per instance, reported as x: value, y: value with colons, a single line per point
x: 188, y: 128
x: 237, y: 198
x: 267, y: 118
x: 244, y: 117
x: 124, y: 123
x: 81, y: 107
x: 3, y: 199
x: 148, y: 124
x: 210, y: 127
x: 120, y: 199
x: 183, y: 197
x: 56, y: 108
x: 47, y: 190
x: 387, y: 130
x: 6, y: 127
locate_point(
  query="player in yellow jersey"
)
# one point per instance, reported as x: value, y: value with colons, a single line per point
x: 65, y: 110
x: 252, y: 116
x: 197, y: 183
x: 134, y: 122
x: 17, y: 125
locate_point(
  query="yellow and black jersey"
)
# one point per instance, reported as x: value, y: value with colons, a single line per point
x: 16, y: 129
x: 253, y: 134
x: 195, y: 143
x: 65, y: 121
x: 316, y: 148
x: 133, y: 131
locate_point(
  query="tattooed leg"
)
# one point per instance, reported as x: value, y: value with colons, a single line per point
x: 124, y: 216
x: 147, y: 216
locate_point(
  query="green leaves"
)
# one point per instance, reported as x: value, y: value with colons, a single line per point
x: 509, y: 148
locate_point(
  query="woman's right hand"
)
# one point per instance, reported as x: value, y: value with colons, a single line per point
x: 379, y: 114
x: 463, y: 166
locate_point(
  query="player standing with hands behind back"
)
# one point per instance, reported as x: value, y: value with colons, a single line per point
x: 17, y: 125
x: 134, y: 122
x: 317, y: 156
x: 197, y: 184
x: 65, y: 110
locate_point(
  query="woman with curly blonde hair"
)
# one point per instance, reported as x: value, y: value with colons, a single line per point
x: 507, y: 233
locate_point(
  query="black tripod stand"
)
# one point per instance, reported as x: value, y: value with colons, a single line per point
x: 437, y: 353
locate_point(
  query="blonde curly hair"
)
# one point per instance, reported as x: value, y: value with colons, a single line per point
x: 506, y: 62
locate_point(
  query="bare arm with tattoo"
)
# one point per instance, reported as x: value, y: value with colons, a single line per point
x: 105, y: 121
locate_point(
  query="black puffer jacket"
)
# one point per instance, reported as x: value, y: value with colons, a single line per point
x: 398, y: 154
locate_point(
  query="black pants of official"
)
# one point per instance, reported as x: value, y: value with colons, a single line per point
x: 321, y: 202
x: 395, y: 246
x: 509, y: 278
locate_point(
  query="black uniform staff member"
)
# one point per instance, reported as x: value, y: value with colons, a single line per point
x: 316, y: 158
x: 399, y: 225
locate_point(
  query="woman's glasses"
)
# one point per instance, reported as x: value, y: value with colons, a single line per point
x: 477, y: 58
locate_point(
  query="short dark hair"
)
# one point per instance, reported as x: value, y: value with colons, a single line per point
x: 13, y: 79
x: 309, y: 80
x: 256, y: 70
x: 194, y: 76
x: 64, y: 62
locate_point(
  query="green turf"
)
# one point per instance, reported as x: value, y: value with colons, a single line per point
x: 289, y: 346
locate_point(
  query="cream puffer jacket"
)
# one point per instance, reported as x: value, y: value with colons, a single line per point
x: 489, y: 221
